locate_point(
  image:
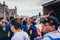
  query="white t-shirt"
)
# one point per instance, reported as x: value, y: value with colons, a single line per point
x: 39, y: 26
x: 39, y: 29
x: 20, y: 36
x: 53, y: 35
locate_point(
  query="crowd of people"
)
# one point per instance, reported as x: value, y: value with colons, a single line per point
x: 47, y: 28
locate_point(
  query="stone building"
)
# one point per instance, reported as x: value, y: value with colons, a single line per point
x: 6, y: 12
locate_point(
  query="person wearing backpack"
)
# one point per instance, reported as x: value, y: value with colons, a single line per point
x: 50, y: 28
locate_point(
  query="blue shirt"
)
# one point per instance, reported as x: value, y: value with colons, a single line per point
x: 32, y: 32
x: 8, y: 31
x: 25, y: 28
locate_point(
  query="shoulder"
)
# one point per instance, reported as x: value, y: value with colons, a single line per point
x: 51, y: 35
x: 16, y: 36
x: 45, y: 38
x: 24, y: 26
x: 13, y: 38
x: 24, y: 33
x: 33, y: 27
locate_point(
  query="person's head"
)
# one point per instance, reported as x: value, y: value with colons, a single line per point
x: 33, y: 23
x: 1, y: 19
x: 21, y: 19
x: 28, y: 20
x: 11, y: 18
x: 7, y: 21
x: 2, y: 27
x: 24, y: 22
x: 15, y: 25
x: 49, y: 24
x: 37, y: 21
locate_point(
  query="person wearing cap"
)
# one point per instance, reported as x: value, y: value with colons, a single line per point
x: 50, y: 28
x: 17, y: 30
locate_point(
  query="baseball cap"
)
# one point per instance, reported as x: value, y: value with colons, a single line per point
x: 51, y: 20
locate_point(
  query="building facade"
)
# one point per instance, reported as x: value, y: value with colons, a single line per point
x: 6, y: 12
x: 52, y: 8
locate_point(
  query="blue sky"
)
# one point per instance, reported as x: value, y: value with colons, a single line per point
x: 26, y: 7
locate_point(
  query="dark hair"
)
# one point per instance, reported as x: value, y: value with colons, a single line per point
x: 24, y: 22
x: 21, y: 18
x: 16, y: 24
x: 1, y: 18
x: 11, y: 18
x: 8, y: 20
x: 33, y: 23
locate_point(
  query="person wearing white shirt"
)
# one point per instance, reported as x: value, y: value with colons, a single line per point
x: 17, y: 30
x: 50, y: 28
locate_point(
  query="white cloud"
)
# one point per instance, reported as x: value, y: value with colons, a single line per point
x: 26, y: 7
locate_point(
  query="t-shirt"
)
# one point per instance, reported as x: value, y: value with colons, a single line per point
x: 25, y: 28
x: 52, y: 36
x: 8, y: 31
x: 39, y: 28
x: 20, y: 36
x: 32, y: 32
